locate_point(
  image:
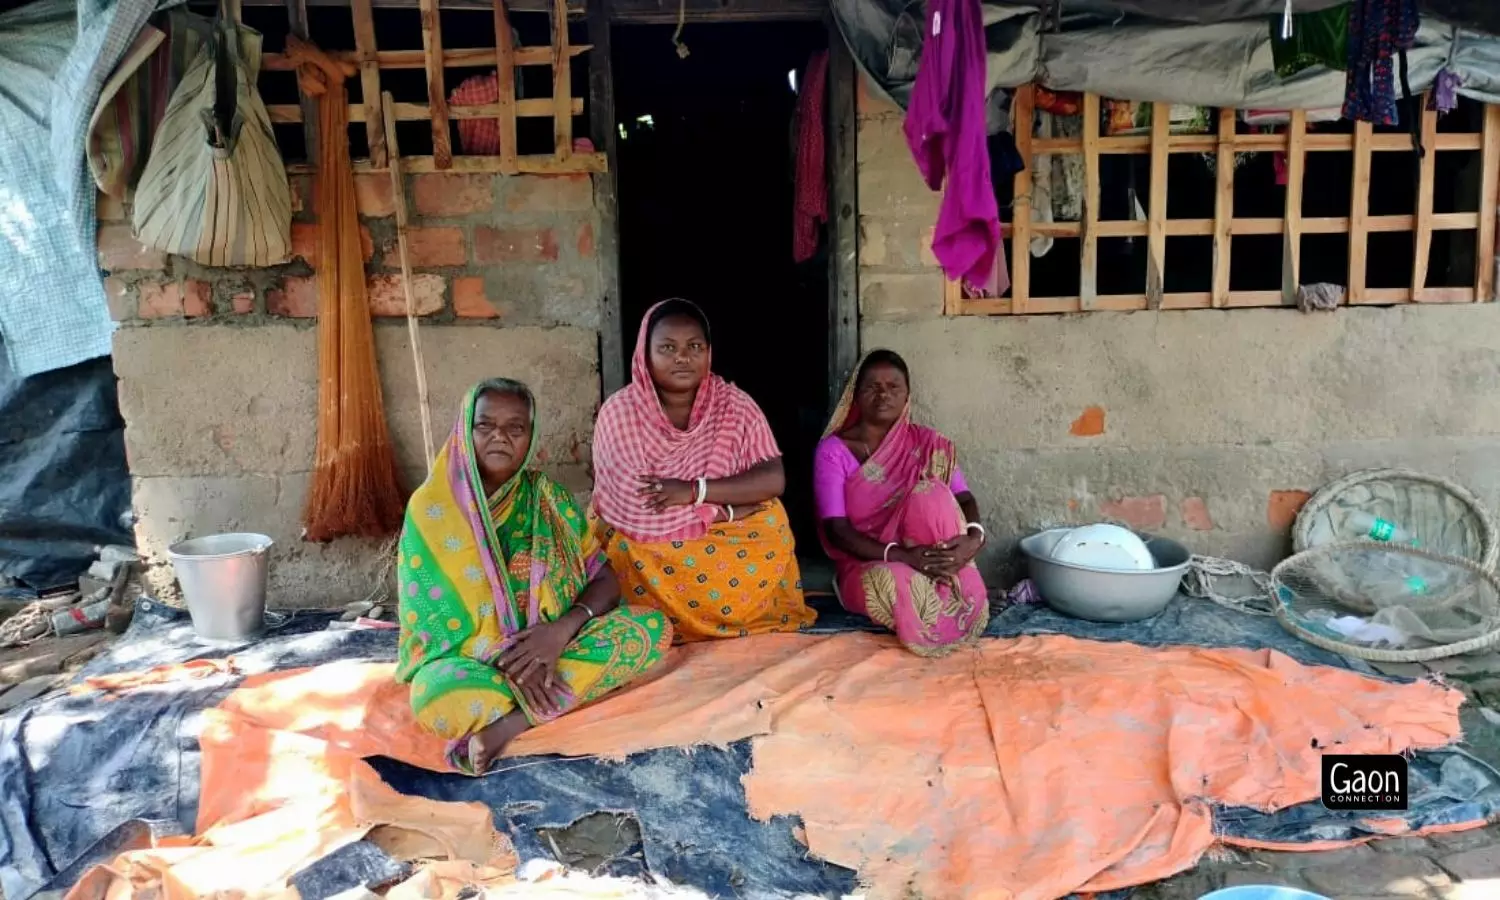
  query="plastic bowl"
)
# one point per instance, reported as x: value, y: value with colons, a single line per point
x: 1262, y: 892
x: 1105, y: 595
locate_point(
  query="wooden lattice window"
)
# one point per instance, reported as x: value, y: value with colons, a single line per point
x: 379, y: 68
x: 1217, y: 234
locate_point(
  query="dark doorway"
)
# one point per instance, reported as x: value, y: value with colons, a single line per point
x: 705, y: 165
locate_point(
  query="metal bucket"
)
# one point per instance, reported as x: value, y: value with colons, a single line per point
x: 223, y: 578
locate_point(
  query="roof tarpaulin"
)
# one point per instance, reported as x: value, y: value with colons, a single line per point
x: 54, y: 57
x: 1208, y: 54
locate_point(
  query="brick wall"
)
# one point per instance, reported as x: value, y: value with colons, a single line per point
x: 1210, y: 426
x: 218, y: 367
x: 518, y: 250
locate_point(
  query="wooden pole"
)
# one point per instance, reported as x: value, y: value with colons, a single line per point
x: 398, y: 192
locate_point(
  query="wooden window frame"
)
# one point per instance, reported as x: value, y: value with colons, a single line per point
x: 561, y: 107
x: 1296, y: 143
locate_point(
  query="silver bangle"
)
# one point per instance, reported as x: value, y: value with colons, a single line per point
x: 887, y: 555
x: 702, y: 492
x: 975, y: 526
x: 586, y: 608
x: 730, y: 508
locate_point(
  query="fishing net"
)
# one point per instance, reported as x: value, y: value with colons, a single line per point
x: 356, y: 488
x: 1400, y: 507
x: 1387, y: 602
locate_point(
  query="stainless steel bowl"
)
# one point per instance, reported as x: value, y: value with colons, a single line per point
x: 1105, y: 595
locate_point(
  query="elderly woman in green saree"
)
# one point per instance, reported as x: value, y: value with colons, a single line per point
x: 510, y: 615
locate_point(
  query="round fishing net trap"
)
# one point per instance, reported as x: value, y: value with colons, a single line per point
x: 1400, y: 507
x: 1387, y: 603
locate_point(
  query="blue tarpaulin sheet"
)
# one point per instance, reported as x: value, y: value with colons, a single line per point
x: 79, y: 776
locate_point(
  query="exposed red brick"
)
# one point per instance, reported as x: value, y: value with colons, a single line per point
x: 1142, y: 513
x: 160, y: 300
x: 435, y: 247
x: 452, y: 195
x: 1195, y: 514
x: 197, y: 298
x: 119, y: 250
x: 549, y: 193
x: 297, y: 298
x: 502, y: 245
x: 469, y: 300
x: 1090, y: 424
x: 117, y: 295
x: 1282, y: 508
x: 388, y: 297
x: 586, y: 240
x: 243, y: 302
x: 305, y: 242
x: 373, y: 195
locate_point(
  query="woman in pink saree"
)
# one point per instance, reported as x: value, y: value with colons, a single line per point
x: 897, y: 517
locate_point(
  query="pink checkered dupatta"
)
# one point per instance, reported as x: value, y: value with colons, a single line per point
x: 726, y: 435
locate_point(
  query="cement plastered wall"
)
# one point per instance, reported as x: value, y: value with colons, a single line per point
x: 1209, y: 426
x: 218, y: 368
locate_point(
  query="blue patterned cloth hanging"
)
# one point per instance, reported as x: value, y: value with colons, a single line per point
x: 1379, y: 31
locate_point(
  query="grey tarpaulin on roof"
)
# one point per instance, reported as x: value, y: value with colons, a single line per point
x: 54, y: 57
x: 1184, y: 53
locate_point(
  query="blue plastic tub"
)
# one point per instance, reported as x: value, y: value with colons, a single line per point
x: 1262, y: 892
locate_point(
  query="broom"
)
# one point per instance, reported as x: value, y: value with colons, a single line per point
x: 356, y: 487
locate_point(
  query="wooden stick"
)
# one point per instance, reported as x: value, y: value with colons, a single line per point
x: 1426, y: 175
x: 369, y: 78
x: 562, y: 83
x: 1489, y: 198
x: 1291, y: 236
x: 1023, y: 123
x: 437, y: 91
x: 1223, y: 209
x: 1088, y: 275
x: 297, y: 14
x: 461, y: 58
x: 398, y: 192
x: 528, y: 164
x: 505, y: 73
x: 1156, y: 215
x: 1359, y: 213
x: 421, y: 112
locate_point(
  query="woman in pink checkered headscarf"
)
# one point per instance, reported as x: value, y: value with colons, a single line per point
x: 688, y: 480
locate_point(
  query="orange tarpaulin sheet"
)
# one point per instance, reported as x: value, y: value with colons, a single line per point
x: 1021, y: 768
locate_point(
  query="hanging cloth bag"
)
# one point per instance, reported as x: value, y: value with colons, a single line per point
x: 215, y: 188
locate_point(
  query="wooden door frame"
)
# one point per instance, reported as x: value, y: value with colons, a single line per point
x: 843, y: 223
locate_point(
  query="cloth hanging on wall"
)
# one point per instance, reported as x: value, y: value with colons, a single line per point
x: 945, y: 128
x: 810, y: 206
x: 1317, y: 39
x: 1379, y: 32
x: 55, y: 55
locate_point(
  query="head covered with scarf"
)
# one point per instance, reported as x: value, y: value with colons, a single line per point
x: 634, y: 439
x: 475, y: 569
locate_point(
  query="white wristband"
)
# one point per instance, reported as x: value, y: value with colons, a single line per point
x: 702, y: 492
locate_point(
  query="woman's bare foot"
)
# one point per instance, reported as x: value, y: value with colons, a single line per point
x: 488, y: 744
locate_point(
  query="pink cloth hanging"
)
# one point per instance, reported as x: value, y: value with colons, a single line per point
x: 810, y: 208
x: 945, y: 127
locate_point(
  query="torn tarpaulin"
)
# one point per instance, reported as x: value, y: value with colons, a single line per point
x: 70, y: 782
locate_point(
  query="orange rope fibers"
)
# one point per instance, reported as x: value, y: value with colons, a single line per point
x: 356, y: 488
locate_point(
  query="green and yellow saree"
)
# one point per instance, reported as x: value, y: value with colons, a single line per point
x: 474, y: 572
